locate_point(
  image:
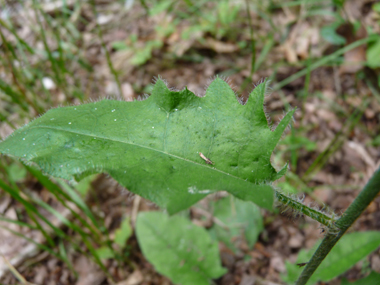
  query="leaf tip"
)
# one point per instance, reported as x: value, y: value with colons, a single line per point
x: 281, y: 172
x: 220, y: 79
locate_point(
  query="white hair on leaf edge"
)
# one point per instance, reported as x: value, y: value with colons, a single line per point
x: 229, y: 82
x: 288, y: 127
x: 142, y: 97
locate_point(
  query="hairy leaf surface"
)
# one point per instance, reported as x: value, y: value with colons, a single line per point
x: 153, y: 147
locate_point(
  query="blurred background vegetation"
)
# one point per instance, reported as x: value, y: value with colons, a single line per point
x: 322, y: 56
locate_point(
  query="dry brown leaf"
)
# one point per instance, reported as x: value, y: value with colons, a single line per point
x: 88, y: 272
x: 296, y: 240
x: 219, y: 46
x: 179, y: 46
x: 278, y: 264
x: 353, y: 59
x: 300, y: 41
x: 127, y: 91
x: 134, y: 279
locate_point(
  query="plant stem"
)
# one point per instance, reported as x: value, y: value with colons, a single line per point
x: 307, y: 211
x: 366, y: 196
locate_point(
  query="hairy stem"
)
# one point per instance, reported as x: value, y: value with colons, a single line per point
x: 297, y: 206
x: 366, y: 196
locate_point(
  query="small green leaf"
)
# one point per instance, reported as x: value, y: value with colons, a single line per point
x: 124, y: 232
x: 160, y: 7
x: 152, y: 147
x: 85, y: 184
x: 372, y: 279
x: 104, y: 252
x: 239, y: 218
x: 178, y: 249
x: 298, y: 142
x: 373, y: 52
x: 376, y: 141
x: 376, y: 7
x: 16, y: 172
x: 339, y: 3
x: 120, y: 45
x: 330, y: 35
x: 287, y: 188
x: 142, y: 55
x: 350, y: 249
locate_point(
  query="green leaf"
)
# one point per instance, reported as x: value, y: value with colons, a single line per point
x: 119, y: 45
x: 350, y: 249
x: 124, y: 232
x: 105, y: 252
x: 152, y: 147
x: 287, y: 188
x: 373, y: 58
x: 376, y: 7
x: 178, y: 249
x: 339, y: 3
x: 160, y: 7
x: 238, y: 218
x: 16, y: 172
x: 329, y: 34
x: 85, y: 185
x: 376, y: 141
x: 372, y: 279
x: 142, y: 55
x: 298, y: 142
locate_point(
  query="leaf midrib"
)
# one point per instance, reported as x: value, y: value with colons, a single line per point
x: 142, y: 146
